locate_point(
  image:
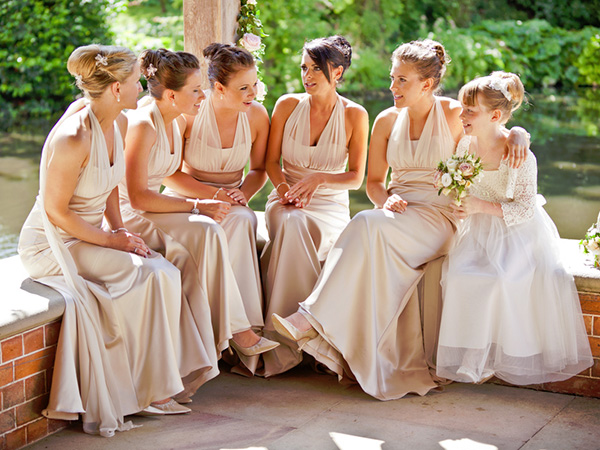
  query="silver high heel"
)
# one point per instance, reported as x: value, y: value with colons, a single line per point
x: 286, y: 329
x: 262, y: 346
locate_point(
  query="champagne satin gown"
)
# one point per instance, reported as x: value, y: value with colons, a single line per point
x: 212, y: 308
x: 208, y: 162
x: 301, y: 238
x: 119, y: 344
x: 365, y: 304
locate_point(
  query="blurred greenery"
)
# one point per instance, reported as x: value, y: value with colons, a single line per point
x: 547, y: 42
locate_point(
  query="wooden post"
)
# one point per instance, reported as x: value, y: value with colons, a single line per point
x: 206, y: 21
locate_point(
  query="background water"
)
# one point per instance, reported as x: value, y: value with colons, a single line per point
x: 565, y: 133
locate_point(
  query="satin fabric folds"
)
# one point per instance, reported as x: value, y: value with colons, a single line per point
x: 118, y: 346
x: 300, y: 238
x: 365, y: 304
x: 197, y: 246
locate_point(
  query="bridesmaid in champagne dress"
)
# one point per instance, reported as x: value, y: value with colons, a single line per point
x: 362, y: 319
x: 318, y: 134
x: 230, y: 130
x: 511, y: 310
x: 118, y: 348
x: 181, y: 228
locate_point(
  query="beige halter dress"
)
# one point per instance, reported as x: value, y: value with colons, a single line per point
x: 300, y: 238
x: 207, y: 161
x: 119, y: 344
x: 365, y: 305
x: 212, y: 308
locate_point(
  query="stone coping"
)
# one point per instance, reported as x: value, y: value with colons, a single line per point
x: 27, y: 304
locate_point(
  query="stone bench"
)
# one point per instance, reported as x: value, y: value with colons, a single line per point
x: 30, y: 316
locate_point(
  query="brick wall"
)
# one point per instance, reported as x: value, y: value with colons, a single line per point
x: 26, y: 366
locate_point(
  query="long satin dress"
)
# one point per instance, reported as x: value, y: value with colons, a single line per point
x: 365, y: 304
x: 510, y: 307
x: 207, y: 161
x: 212, y: 308
x: 300, y: 238
x: 118, y: 347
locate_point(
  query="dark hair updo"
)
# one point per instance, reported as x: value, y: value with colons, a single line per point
x: 165, y: 69
x: 225, y: 60
x: 428, y: 58
x: 332, y: 51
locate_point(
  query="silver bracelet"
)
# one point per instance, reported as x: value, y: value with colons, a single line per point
x: 217, y: 193
x: 119, y: 229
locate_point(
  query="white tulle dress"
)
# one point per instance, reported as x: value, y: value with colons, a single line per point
x: 510, y: 308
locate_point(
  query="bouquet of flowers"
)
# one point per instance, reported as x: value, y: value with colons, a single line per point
x: 591, y: 242
x: 456, y: 174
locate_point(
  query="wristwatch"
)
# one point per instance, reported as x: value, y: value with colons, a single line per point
x: 195, y: 209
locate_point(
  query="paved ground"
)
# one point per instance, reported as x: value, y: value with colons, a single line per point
x: 304, y: 410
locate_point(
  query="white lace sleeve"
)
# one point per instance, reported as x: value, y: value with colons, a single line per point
x: 522, y: 184
x: 463, y: 146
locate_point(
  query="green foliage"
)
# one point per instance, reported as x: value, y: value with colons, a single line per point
x: 588, y: 61
x: 36, y: 38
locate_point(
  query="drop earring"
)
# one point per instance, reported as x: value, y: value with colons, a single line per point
x: 118, y: 98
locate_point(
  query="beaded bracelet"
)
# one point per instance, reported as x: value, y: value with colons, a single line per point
x: 277, y: 187
x: 217, y: 193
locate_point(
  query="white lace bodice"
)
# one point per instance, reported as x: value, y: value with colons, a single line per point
x: 514, y: 189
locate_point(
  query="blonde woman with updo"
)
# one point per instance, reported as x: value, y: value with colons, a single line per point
x: 317, y: 152
x: 118, y: 347
x: 511, y: 310
x: 229, y: 131
x: 362, y: 319
x: 186, y: 230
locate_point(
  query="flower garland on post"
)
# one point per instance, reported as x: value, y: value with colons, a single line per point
x: 251, y: 33
x: 591, y: 242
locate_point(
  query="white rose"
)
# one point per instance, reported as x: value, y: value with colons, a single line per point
x: 260, y: 91
x: 251, y: 2
x: 452, y: 164
x: 446, y: 180
x: 251, y: 42
x: 593, y: 245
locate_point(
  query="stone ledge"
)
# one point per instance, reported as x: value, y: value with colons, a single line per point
x: 25, y: 304
x: 587, y: 277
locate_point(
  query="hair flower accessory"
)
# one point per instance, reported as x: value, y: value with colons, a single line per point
x: 100, y: 59
x: 78, y: 79
x: 499, y: 84
x: 150, y: 71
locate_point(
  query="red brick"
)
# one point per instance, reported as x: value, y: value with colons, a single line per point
x: 55, y: 425
x: 31, y: 410
x: 12, y: 348
x: 49, y: 374
x: 596, y: 326
x: 16, y: 439
x: 35, y: 385
x: 37, y: 430
x: 52, y: 332
x: 6, y: 374
x: 590, y: 303
x: 7, y: 421
x: 589, y: 387
x: 34, y: 363
x: 13, y: 394
x: 595, y: 345
x: 33, y: 340
x: 587, y: 320
x: 596, y: 368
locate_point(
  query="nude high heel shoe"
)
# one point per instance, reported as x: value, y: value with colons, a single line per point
x: 286, y: 329
x: 262, y: 346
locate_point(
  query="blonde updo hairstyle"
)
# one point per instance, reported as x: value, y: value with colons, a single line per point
x: 165, y: 69
x: 225, y: 60
x: 427, y: 57
x: 488, y: 91
x: 92, y: 76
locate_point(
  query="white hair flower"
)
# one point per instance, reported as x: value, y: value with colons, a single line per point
x: 150, y: 71
x: 100, y: 59
x: 500, y: 84
x: 78, y: 79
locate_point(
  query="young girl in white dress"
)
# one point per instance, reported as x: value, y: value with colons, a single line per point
x: 316, y: 134
x: 510, y: 308
x: 229, y: 130
x: 213, y: 314
x: 119, y: 344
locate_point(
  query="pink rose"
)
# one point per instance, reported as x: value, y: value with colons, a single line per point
x: 251, y: 42
x: 466, y: 169
x: 260, y: 91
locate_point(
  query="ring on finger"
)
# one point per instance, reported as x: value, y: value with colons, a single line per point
x: 135, y: 250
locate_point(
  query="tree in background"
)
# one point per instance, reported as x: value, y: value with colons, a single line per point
x: 36, y: 38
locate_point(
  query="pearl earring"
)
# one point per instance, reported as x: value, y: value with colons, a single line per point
x: 118, y: 98
x: 173, y: 103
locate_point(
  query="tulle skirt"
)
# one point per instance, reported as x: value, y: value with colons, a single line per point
x: 510, y: 308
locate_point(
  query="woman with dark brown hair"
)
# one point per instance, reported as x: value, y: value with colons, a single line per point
x: 185, y: 229
x: 317, y: 134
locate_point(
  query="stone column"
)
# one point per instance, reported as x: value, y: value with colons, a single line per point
x: 206, y: 21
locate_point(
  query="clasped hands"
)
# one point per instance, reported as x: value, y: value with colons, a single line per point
x: 301, y: 193
x: 122, y: 239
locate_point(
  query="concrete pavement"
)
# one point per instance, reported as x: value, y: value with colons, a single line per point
x: 302, y: 410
